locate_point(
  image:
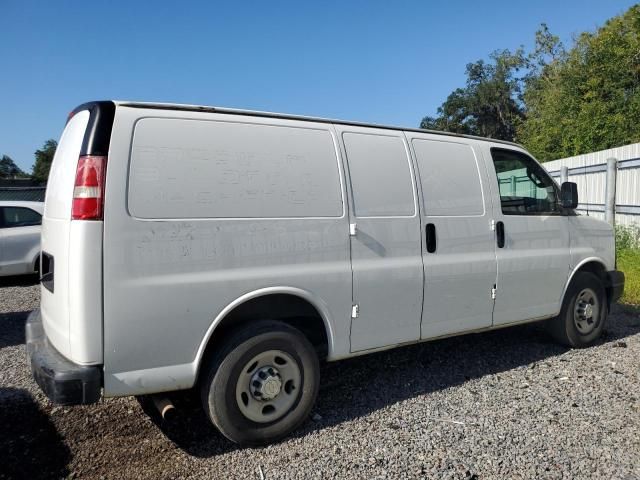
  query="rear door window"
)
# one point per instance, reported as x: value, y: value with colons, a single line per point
x: 11, y: 217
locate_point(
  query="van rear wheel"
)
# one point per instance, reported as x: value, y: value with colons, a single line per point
x: 583, y: 314
x: 262, y: 384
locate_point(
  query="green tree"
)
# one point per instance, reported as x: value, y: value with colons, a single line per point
x: 8, y: 168
x: 489, y: 105
x: 587, y: 98
x: 44, y: 157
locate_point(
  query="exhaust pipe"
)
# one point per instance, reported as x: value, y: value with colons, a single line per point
x: 164, y: 406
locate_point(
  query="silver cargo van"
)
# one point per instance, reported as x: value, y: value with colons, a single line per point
x: 231, y: 251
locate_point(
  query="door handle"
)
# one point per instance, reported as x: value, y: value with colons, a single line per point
x: 500, y: 234
x: 431, y: 238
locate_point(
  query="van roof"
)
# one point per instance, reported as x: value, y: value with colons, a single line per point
x: 255, y: 113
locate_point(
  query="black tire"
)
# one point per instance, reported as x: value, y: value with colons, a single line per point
x: 222, y: 379
x: 572, y: 327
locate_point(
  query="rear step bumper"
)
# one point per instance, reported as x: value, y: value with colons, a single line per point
x: 64, y: 382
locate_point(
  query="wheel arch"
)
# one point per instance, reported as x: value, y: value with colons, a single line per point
x: 593, y: 265
x: 311, y: 300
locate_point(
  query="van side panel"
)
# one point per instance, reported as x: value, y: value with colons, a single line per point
x: 461, y: 271
x: 204, y: 169
x: 169, y: 275
x: 591, y: 238
x: 386, y: 255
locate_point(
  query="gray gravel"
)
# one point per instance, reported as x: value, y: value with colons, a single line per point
x: 505, y: 404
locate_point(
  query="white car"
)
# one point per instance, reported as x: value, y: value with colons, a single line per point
x: 20, y: 225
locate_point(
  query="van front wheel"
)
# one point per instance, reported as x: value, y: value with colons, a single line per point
x: 262, y: 384
x: 583, y: 314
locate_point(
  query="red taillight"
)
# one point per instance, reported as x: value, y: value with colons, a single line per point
x: 88, y: 190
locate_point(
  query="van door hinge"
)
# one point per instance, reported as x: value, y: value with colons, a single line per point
x: 353, y: 229
x: 493, y: 292
x: 493, y: 225
x: 355, y: 311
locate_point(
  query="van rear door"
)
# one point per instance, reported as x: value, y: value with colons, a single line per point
x: 71, y: 291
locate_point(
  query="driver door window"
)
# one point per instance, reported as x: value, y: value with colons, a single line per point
x: 525, y: 187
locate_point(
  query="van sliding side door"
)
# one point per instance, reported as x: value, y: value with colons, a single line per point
x: 458, y: 244
x: 385, y: 238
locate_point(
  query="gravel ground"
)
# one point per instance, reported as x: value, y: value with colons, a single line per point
x: 504, y: 404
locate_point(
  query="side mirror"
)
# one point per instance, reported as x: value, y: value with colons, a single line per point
x: 569, y: 195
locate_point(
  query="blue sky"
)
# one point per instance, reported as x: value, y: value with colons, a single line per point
x: 384, y: 62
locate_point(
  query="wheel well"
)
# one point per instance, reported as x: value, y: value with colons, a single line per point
x: 290, y: 309
x: 596, y: 268
x: 599, y: 270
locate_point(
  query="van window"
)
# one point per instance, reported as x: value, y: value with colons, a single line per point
x: 450, y: 178
x: 380, y: 175
x: 210, y: 169
x: 19, y: 217
x: 525, y: 188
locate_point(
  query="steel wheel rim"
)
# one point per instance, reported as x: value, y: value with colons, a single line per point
x: 586, y: 311
x: 268, y: 386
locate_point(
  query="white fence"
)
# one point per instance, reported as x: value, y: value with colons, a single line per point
x: 589, y: 171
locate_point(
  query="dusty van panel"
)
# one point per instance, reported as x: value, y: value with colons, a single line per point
x: 385, y: 241
x: 450, y: 178
x: 205, y: 169
x: 380, y: 175
x: 461, y: 269
x: 171, y: 278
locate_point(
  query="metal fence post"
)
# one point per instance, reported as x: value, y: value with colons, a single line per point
x: 564, y: 175
x: 610, y: 192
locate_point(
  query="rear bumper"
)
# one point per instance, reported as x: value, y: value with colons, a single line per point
x: 615, y: 285
x: 64, y: 382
